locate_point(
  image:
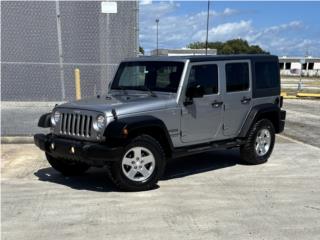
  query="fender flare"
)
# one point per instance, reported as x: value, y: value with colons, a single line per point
x: 115, y: 129
x: 44, y: 121
x: 255, y: 113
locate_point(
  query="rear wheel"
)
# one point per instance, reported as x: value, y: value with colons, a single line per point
x: 67, y: 168
x: 259, y: 144
x: 141, y: 165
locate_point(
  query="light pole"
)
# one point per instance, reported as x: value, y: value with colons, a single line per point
x: 157, y: 21
x: 208, y: 13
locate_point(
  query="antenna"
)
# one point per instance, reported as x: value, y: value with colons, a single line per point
x: 207, y: 27
x: 157, y: 21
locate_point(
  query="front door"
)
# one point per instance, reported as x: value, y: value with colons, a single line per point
x: 237, y: 96
x: 202, y: 120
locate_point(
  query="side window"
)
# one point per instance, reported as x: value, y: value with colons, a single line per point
x: 267, y: 75
x: 281, y: 65
x: 237, y: 77
x: 205, y: 76
x: 288, y: 66
x: 310, y: 66
x: 304, y: 66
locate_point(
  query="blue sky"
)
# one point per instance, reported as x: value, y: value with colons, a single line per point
x: 282, y: 28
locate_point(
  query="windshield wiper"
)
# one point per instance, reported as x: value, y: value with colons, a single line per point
x: 124, y: 90
x: 145, y: 88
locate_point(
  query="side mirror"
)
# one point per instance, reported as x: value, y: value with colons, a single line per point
x: 196, y: 91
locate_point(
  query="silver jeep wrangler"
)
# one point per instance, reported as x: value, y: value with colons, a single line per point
x: 159, y: 108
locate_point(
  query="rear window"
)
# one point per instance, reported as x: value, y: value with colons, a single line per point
x: 237, y: 77
x: 267, y: 75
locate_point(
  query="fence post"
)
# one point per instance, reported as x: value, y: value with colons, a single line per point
x: 77, y: 83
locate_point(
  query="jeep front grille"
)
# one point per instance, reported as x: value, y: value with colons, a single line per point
x: 76, y: 124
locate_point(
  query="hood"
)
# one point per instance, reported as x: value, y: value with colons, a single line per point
x: 123, y: 104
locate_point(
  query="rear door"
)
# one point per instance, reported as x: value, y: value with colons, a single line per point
x: 237, y: 95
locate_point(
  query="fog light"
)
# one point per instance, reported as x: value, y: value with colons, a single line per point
x: 72, y: 150
x: 52, y: 146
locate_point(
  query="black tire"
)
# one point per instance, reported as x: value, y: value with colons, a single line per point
x: 67, y: 168
x: 248, y: 152
x: 123, y: 182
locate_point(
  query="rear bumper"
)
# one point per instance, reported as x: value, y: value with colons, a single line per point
x: 94, y: 154
x: 283, y: 114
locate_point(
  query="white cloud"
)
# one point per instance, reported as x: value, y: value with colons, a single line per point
x: 225, y: 31
x: 282, y: 39
x: 225, y: 13
x: 177, y: 31
x: 145, y: 2
x: 229, y: 12
x: 161, y: 9
x: 275, y: 30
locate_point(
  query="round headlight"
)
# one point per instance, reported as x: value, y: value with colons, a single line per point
x: 99, y: 123
x: 55, y: 118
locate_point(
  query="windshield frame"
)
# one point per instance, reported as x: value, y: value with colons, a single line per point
x: 114, y: 85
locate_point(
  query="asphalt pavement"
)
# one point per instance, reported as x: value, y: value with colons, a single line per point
x: 303, y: 120
x: 207, y: 196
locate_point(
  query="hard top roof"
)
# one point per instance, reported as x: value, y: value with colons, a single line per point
x: 202, y: 58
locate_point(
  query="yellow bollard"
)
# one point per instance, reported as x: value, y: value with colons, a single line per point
x: 77, y: 83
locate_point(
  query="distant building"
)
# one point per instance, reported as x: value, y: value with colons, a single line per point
x: 293, y: 66
x: 182, y: 52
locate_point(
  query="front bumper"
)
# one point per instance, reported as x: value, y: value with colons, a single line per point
x: 94, y: 154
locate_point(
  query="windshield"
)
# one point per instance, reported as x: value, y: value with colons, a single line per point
x: 152, y: 76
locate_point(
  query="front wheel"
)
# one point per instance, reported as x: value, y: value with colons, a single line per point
x: 141, y: 165
x: 259, y: 144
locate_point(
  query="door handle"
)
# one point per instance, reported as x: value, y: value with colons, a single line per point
x: 216, y: 104
x: 245, y: 100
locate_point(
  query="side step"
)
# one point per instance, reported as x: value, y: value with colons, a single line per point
x: 199, y: 148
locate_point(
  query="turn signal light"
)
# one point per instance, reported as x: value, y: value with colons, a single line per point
x: 125, y: 132
x: 72, y: 150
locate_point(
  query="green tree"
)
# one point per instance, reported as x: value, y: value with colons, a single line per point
x: 234, y: 46
x: 141, y: 50
x: 226, y: 49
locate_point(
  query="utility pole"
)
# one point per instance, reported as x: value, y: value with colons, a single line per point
x: 60, y: 49
x: 157, y: 21
x: 208, y: 13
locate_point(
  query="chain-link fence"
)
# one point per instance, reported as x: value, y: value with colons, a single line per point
x: 43, y: 42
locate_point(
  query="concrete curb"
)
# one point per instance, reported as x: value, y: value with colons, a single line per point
x: 10, y: 104
x: 300, y: 95
x: 17, y: 140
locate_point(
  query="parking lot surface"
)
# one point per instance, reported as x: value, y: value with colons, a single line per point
x: 207, y: 196
x: 303, y: 120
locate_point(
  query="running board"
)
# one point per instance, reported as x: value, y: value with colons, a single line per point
x: 199, y: 148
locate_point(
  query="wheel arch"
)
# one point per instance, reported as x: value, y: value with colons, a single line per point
x: 44, y: 121
x: 124, y: 129
x: 264, y: 111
